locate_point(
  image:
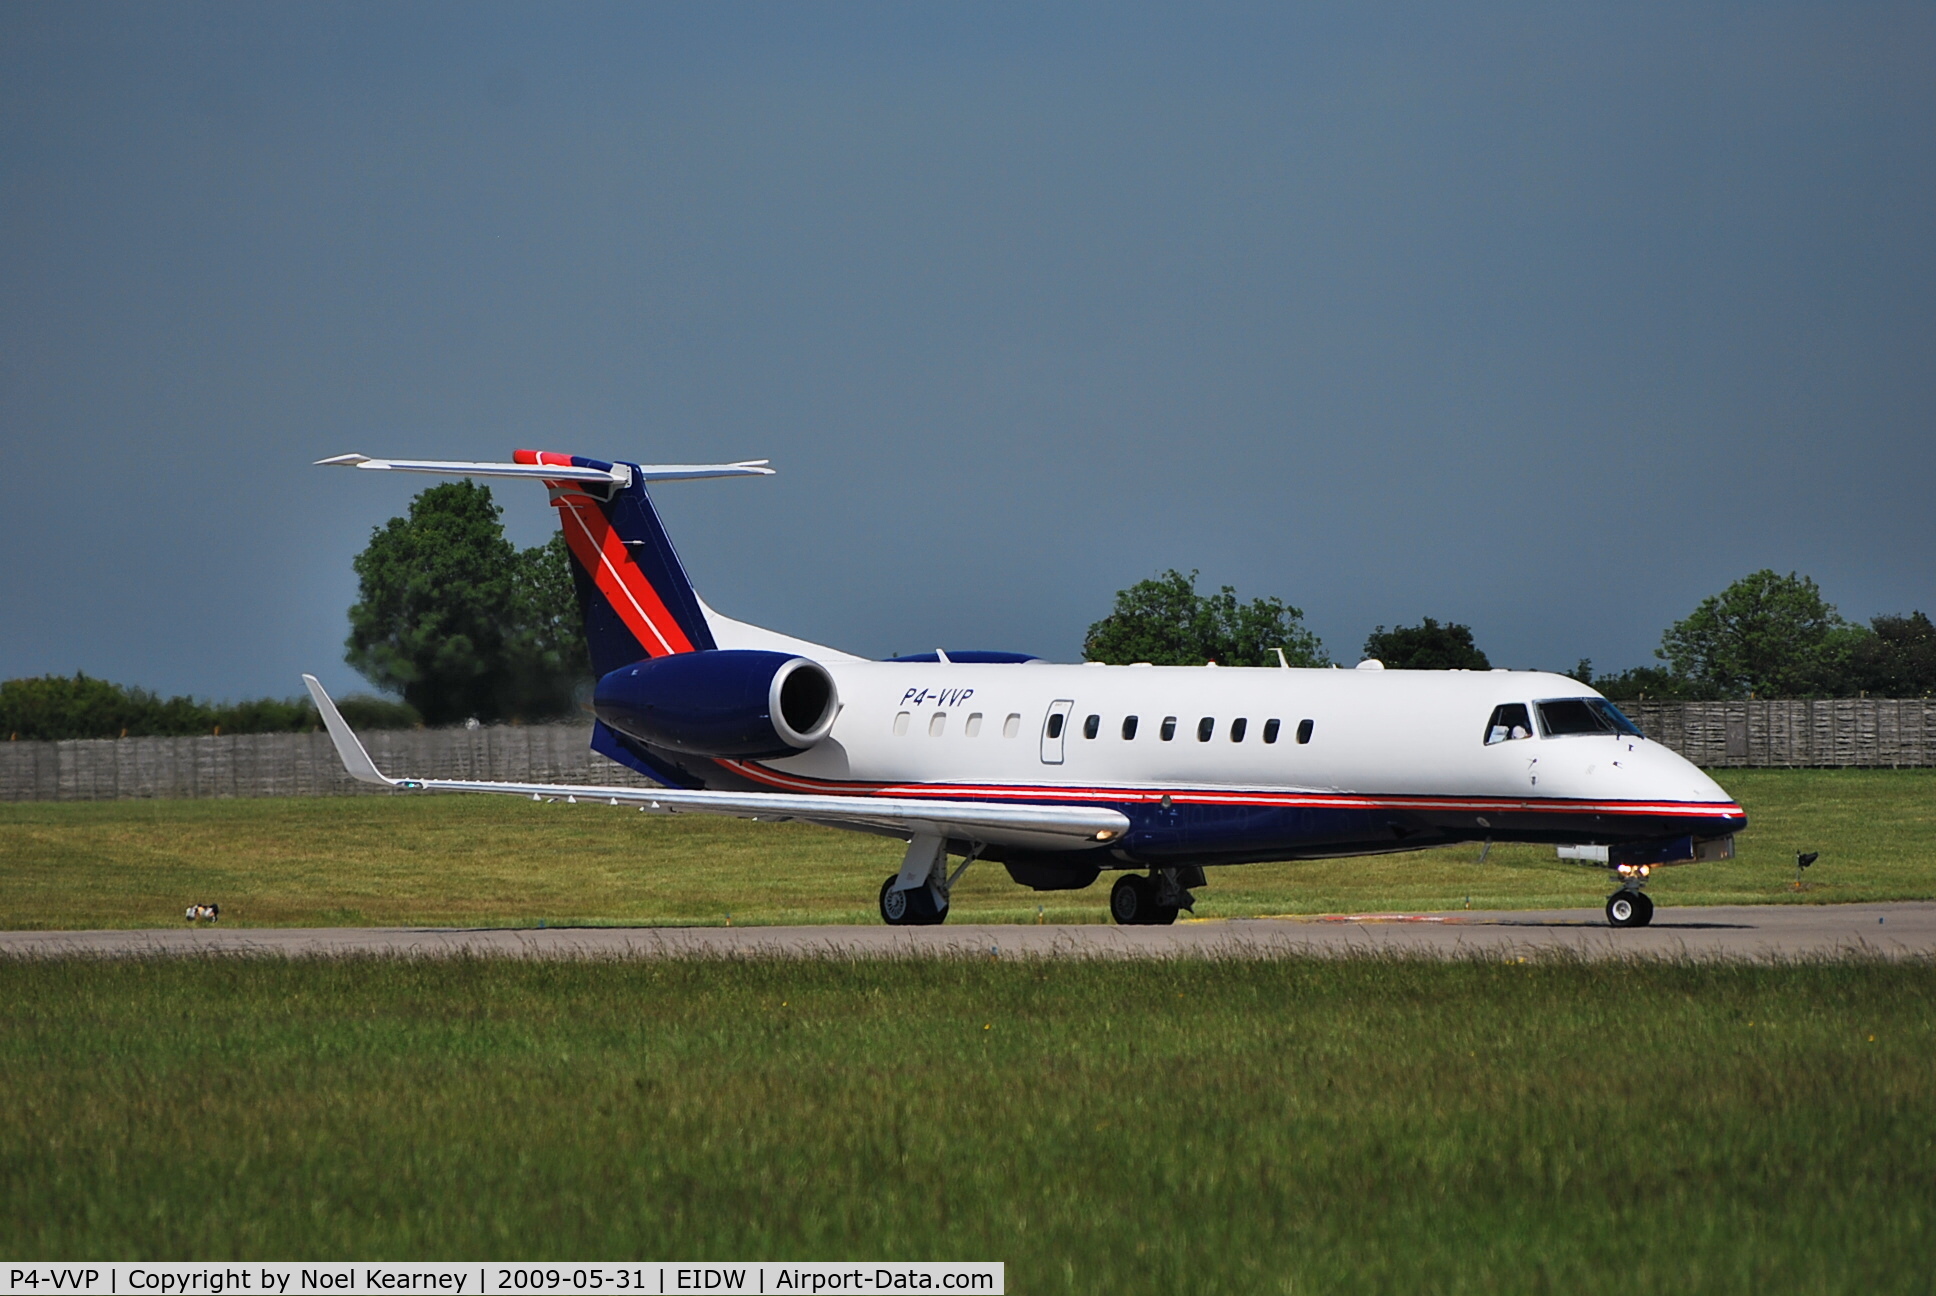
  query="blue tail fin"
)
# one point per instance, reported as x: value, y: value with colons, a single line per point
x: 634, y: 592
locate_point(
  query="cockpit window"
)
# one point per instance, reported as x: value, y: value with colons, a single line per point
x: 1509, y: 721
x: 1560, y: 717
x: 1614, y: 716
x: 1566, y: 716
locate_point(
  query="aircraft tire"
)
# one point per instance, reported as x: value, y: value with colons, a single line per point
x: 1629, y: 909
x: 909, y: 908
x: 895, y: 909
x: 1132, y: 901
x: 1163, y: 915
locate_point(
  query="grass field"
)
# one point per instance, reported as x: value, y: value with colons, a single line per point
x: 485, y: 860
x: 1199, y: 1126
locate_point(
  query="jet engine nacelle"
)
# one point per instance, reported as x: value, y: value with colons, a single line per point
x: 738, y: 703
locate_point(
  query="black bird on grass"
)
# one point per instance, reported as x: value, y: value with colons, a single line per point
x: 1802, y: 860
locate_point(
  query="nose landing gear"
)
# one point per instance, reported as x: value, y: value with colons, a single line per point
x: 1629, y: 907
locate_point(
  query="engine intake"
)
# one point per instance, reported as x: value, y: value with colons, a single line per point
x: 739, y: 703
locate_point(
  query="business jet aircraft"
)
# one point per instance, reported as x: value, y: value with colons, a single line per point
x: 1061, y: 772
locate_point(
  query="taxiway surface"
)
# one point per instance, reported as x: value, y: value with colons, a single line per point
x: 1896, y: 931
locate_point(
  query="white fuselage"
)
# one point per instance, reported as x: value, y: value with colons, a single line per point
x: 1389, y: 732
x: 1378, y: 741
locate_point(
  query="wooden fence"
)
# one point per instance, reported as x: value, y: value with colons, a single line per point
x: 1886, y: 732
x: 1841, y: 732
x: 285, y: 764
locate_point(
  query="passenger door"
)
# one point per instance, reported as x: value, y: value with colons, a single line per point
x: 1055, y: 728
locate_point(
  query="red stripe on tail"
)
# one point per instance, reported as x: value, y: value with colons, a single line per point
x: 602, y: 554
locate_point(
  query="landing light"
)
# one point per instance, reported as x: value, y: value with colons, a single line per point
x: 1106, y: 834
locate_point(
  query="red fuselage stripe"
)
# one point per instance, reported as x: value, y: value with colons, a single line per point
x: 1232, y: 797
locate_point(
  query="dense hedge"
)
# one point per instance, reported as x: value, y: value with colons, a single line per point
x: 59, y: 706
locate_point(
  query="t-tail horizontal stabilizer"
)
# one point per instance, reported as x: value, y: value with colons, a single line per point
x: 1049, y: 827
x: 614, y: 474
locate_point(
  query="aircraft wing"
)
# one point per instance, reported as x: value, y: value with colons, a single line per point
x: 1067, y: 827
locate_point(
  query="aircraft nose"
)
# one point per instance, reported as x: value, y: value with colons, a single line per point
x: 1703, y: 783
x: 1682, y: 780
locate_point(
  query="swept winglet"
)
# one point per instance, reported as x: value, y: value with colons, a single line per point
x: 355, y: 760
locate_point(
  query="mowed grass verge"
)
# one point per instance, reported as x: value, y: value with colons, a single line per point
x: 452, y: 860
x: 1202, y: 1126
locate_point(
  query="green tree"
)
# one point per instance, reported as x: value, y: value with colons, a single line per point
x: 1166, y: 622
x: 460, y: 622
x: 545, y: 650
x: 1767, y: 634
x: 1640, y: 684
x: 1895, y: 657
x: 1429, y: 646
x: 368, y: 711
x: 54, y: 707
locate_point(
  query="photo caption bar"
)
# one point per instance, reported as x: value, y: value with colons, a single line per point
x: 497, y: 1278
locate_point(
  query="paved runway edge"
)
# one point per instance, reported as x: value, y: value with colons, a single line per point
x: 1732, y: 932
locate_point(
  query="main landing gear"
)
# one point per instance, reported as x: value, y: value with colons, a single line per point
x: 915, y: 908
x: 917, y: 896
x: 1629, y: 907
x: 1153, y: 901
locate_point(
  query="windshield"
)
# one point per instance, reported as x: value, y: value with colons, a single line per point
x: 1561, y: 717
x: 1615, y: 717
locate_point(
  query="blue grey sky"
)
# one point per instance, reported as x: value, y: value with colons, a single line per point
x: 1551, y: 319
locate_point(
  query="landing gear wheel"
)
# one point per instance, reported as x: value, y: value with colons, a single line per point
x: 894, y: 904
x: 1629, y: 909
x: 1163, y: 915
x: 909, y: 908
x: 1132, y: 901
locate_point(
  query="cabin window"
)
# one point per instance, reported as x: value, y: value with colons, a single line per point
x: 1304, y: 728
x: 1206, y: 727
x: 1169, y: 728
x: 973, y: 727
x: 901, y: 725
x: 1509, y: 721
x: 1055, y: 724
x: 937, y: 724
x: 1092, y: 726
x: 1013, y: 725
x: 1270, y: 731
x: 1562, y: 717
x: 1237, y: 728
x: 1129, y: 728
